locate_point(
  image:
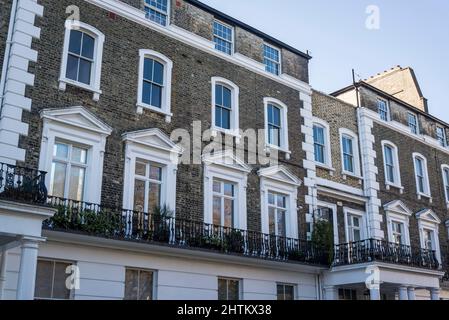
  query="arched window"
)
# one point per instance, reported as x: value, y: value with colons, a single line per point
x: 154, y: 89
x: 350, y: 158
x: 391, y: 164
x: 276, y: 124
x: 82, y: 57
x: 225, y: 106
x: 421, y: 175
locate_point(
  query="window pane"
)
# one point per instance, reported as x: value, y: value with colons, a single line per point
x: 60, y: 290
x: 79, y: 155
x: 148, y: 69
x: 225, y: 119
x: 222, y: 289
x: 226, y: 98
x: 218, y: 119
x: 357, y: 235
x: 281, y: 223
x: 319, y: 153
x: 61, y: 150
x: 289, y: 293
x: 141, y: 168
x: 76, y: 185
x: 218, y: 95
x: 146, y: 93
x: 156, y: 173
x: 72, y: 67
x: 233, y: 290
x: 75, y: 41
x: 44, y: 279
x: 318, y: 135
x: 154, y: 196
x: 217, y: 186
x: 57, y: 183
x: 281, y: 201
x: 145, y: 285
x: 158, y: 73
x: 88, y: 46
x: 84, y: 71
x: 229, y: 189
x: 156, y: 96
x: 139, y: 195
x: 271, y: 198
x: 228, y: 212
x: 217, y: 211
x: 131, y: 284
x: 271, y: 220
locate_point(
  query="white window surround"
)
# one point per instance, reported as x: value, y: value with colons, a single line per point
x: 78, y: 125
x: 426, y: 192
x: 355, y: 146
x: 235, y: 99
x: 328, y: 149
x: 155, y: 146
x: 428, y: 220
x: 279, y: 179
x: 98, y: 57
x: 445, y: 183
x: 397, y: 170
x: 166, y: 91
x: 226, y: 166
x: 363, y: 228
x: 284, y: 126
x: 334, y: 208
x: 397, y: 211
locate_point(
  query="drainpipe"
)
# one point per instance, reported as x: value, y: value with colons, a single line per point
x: 12, y: 22
x: 3, y: 272
x: 318, y: 287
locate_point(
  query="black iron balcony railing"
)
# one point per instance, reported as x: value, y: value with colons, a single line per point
x: 382, y: 251
x: 92, y: 219
x: 22, y: 184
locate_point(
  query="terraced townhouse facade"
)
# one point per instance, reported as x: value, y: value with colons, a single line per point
x: 102, y: 103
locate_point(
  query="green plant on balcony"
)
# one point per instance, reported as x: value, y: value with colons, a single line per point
x: 162, y: 223
x: 323, y: 239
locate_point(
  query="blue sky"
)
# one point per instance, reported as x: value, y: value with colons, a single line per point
x: 412, y: 33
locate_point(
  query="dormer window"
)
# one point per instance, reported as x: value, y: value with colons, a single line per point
x: 441, y: 136
x: 157, y: 11
x: 272, y: 59
x: 382, y: 108
x: 223, y: 37
x: 413, y: 123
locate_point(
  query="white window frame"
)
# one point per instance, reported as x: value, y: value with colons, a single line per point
x: 224, y: 197
x: 417, y: 123
x: 232, y: 34
x: 167, y: 14
x: 427, y: 192
x: 387, y: 104
x: 166, y: 90
x: 96, y: 65
x: 355, y: 146
x: 295, y: 286
x: 397, y: 169
x: 445, y: 167
x: 269, y: 182
x: 327, y: 147
x: 363, y: 227
x: 284, y: 147
x: 444, y: 137
x: 54, y: 261
x: 334, y: 209
x: 402, y: 218
x: 279, y: 63
x: 235, y: 114
x: 225, y: 166
x: 147, y: 145
x: 154, y: 288
x: 425, y: 223
x: 239, y: 281
x: 61, y: 124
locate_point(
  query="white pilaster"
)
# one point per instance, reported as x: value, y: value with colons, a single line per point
x: 374, y: 293
x: 3, y: 272
x: 27, y: 271
x: 411, y: 293
x: 370, y: 171
x: 403, y: 295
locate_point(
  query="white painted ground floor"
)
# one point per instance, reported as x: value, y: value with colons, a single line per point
x: 100, y: 269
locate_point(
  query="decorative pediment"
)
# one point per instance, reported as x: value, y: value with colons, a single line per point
x: 280, y: 174
x: 77, y: 116
x: 397, y: 206
x: 226, y: 159
x: 154, y: 138
x: 428, y: 215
